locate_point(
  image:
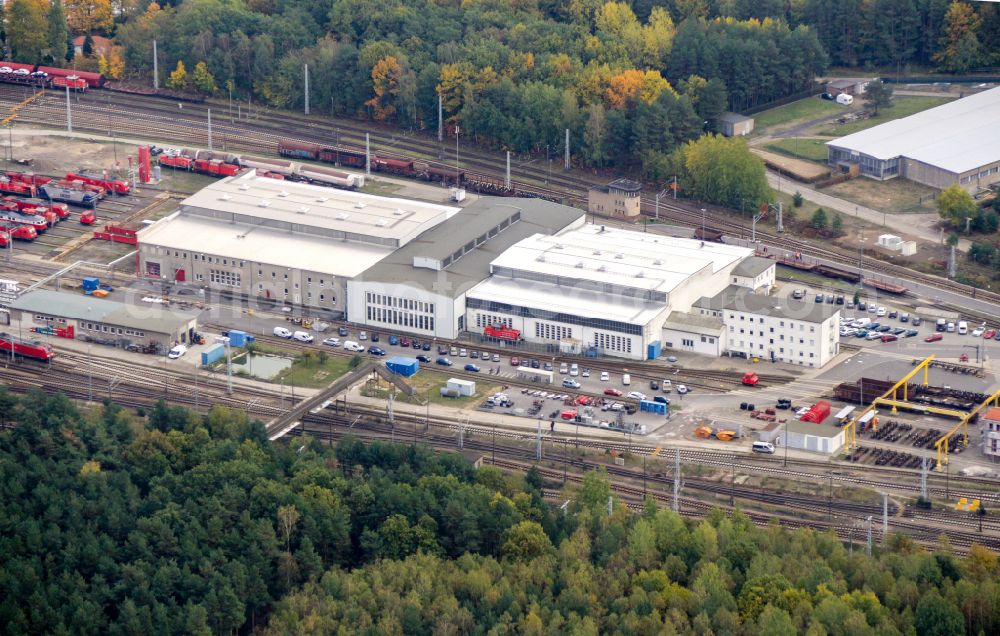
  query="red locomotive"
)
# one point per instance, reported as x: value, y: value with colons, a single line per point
x: 118, y: 186
x: 20, y: 232
x: 87, y: 217
x: 215, y: 167
x: 25, y: 348
x: 9, y: 216
x: 53, y: 212
x: 176, y: 161
x: 503, y: 333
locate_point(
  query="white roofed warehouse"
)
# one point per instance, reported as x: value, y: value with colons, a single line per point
x: 288, y: 242
x: 597, y: 288
x: 958, y: 142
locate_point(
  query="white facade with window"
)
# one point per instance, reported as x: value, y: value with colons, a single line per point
x: 795, y: 332
x: 404, y: 308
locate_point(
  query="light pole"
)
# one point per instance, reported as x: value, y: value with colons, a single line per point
x: 658, y: 195
x: 703, y: 224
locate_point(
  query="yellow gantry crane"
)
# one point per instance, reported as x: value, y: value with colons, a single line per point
x: 851, y: 430
x: 942, y: 444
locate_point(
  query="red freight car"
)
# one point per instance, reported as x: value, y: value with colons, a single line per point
x: 118, y: 186
x: 25, y: 348
x: 215, y: 167
x: 93, y: 80
x: 503, y: 333
x: 342, y: 157
x: 393, y: 166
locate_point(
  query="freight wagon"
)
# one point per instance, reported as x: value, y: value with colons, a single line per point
x: 329, y: 176
x: 275, y: 166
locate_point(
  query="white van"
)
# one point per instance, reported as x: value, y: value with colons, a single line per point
x: 574, y: 369
x: 564, y: 368
x: 626, y: 379
x: 963, y: 327
x: 862, y: 322
x: 763, y: 447
x: 177, y: 352
x: 350, y: 345
x: 281, y: 332
x: 303, y: 336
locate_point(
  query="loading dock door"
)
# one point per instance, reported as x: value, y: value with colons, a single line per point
x: 179, y: 275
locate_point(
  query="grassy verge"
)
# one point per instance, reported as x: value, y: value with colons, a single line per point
x: 808, y: 149
x: 804, y: 109
x: 428, y: 387
x: 315, y: 370
x: 901, y: 107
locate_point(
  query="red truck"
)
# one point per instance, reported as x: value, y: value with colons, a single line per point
x: 118, y: 186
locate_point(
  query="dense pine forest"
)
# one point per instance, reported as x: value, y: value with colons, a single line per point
x: 169, y: 522
x: 631, y: 80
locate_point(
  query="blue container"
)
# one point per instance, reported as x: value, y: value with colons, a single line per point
x: 653, y: 407
x: 237, y: 338
x: 653, y: 350
x: 213, y: 354
x: 403, y: 366
x: 90, y: 284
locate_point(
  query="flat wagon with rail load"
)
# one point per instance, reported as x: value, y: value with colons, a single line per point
x: 329, y: 176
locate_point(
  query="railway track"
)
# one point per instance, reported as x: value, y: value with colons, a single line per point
x: 146, y: 117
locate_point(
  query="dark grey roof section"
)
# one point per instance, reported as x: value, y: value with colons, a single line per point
x: 718, y: 301
x: 753, y: 266
x: 625, y: 185
x: 775, y: 307
x: 534, y: 216
x: 152, y: 318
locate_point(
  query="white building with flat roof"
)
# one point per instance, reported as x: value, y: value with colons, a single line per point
x: 957, y: 142
x: 609, y: 289
x: 279, y: 240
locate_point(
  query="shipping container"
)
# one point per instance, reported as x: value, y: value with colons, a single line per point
x: 464, y: 387
x: 819, y: 412
x: 237, y: 338
x: 213, y: 354
x: 403, y: 366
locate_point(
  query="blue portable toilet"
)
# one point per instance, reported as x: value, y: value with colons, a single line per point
x: 90, y: 284
x: 653, y: 350
x: 403, y: 366
x: 237, y: 338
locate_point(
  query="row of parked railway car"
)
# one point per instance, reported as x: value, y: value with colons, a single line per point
x: 228, y: 165
x: 357, y: 159
x: 49, y: 76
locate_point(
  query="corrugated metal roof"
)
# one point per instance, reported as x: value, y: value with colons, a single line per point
x: 152, y: 318
x: 958, y: 137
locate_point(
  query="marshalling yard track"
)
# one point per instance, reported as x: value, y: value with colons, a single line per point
x: 138, y: 385
x: 158, y: 118
x: 135, y: 385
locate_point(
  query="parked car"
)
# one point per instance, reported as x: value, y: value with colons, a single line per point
x: 978, y: 332
x: 462, y: 353
x: 177, y: 352
x: 654, y: 385
x: 585, y: 373
x: 394, y: 340
x: 363, y: 335
x: 682, y: 389
x: 893, y: 313
x: 570, y: 383
x: 830, y: 97
x: 989, y: 334
x: 281, y: 332
x: 515, y: 361
x: 423, y: 358
x: 404, y: 342
x: 331, y: 342
x: 445, y: 362
x: 605, y: 376
x: 636, y: 395
x: 613, y: 392
x: 376, y: 337
x: 910, y: 333
x: 916, y: 321
x: 889, y: 338
x: 341, y: 331
x: 417, y: 344
x: 535, y: 364
x: 474, y: 355
x: 472, y: 367
x: 303, y: 336
x: 426, y: 346
x: 661, y: 399
x: 880, y: 312
x: 819, y: 298
x: 376, y: 351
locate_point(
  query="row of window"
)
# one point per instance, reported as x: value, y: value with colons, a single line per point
x: 401, y: 318
x: 121, y: 331
x: 552, y: 332
x: 223, y: 277
x: 44, y: 318
x: 611, y: 342
x: 791, y: 352
x: 982, y: 175
x: 541, y: 314
x: 481, y: 239
x: 490, y: 320
x: 781, y: 337
x: 401, y: 303
x: 781, y: 323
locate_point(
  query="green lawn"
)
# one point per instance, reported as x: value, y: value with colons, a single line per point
x: 314, y: 374
x: 428, y: 384
x: 804, y: 109
x: 901, y: 107
x: 808, y: 149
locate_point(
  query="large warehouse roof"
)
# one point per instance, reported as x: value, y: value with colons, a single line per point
x: 463, y: 236
x: 302, y: 207
x: 152, y: 318
x: 624, y: 258
x: 958, y: 136
x: 243, y: 242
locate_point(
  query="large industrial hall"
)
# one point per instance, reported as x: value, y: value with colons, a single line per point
x: 958, y: 142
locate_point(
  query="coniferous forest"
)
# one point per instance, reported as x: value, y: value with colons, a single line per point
x: 169, y: 522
